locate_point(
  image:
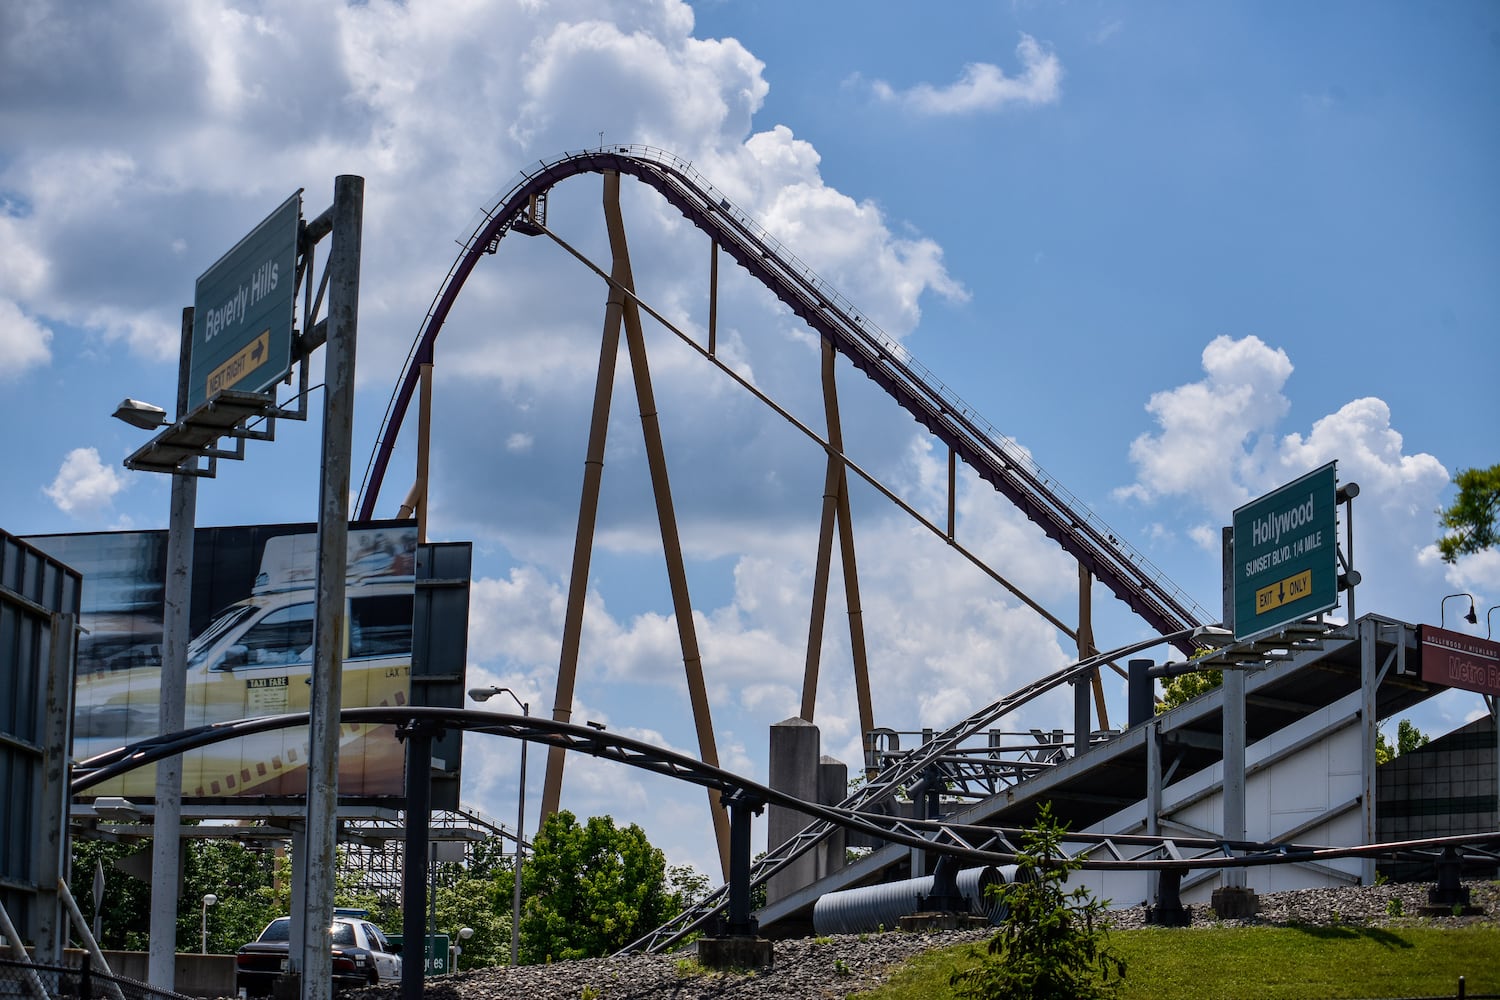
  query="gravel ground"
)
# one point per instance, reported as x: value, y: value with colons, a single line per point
x: 836, y: 967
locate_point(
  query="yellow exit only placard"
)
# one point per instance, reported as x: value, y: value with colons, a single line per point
x: 1293, y: 588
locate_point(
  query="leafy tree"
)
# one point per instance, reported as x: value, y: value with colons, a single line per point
x: 126, y: 911
x: 1472, y: 518
x: 687, y: 885
x: 239, y: 877
x: 1184, y: 686
x: 1052, y: 943
x: 483, y: 905
x: 591, y: 889
x: 242, y: 879
x: 1408, y: 738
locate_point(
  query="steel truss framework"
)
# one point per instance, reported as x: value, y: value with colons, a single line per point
x: 843, y: 330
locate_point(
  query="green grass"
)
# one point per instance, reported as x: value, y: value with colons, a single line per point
x: 1264, y: 963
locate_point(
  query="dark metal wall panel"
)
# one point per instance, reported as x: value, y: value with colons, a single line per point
x: 35, y: 590
x: 440, y: 647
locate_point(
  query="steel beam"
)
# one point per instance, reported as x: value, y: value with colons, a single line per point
x: 588, y: 512
x: 666, y: 515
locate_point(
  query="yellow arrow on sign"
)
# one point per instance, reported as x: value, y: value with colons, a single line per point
x: 1293, y: 588
x: 245, y: 361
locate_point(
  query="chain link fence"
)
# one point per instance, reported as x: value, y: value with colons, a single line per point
x: 25, y: 981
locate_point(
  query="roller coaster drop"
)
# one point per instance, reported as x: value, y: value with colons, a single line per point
x: 1100, y: 553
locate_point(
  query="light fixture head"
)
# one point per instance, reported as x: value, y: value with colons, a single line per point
x: 1472, y: 617
x: 210, y: 899
x: 464, y: 933
x: 146, y: 416
x: 483, y: 694
x: 116, y: 809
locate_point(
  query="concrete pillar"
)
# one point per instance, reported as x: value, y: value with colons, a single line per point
x: 795, y: 746
x: 833, y: 788
x: 1083, y: 717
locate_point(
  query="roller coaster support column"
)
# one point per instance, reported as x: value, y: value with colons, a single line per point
x: 836, y: 512
x: 739, y: 946
x: 588, y: 509
x: 416, y: 500
x: 623, y: 282
x: 666, y: 515
x: 1085, y: 639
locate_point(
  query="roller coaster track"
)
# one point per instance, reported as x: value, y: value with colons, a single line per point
x: 992, y: 455
x: 977, y: 844
x: 893, y: 778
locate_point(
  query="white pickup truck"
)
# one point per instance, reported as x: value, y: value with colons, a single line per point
x: 361, y: 956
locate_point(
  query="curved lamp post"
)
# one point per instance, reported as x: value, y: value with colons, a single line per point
x: 485, y: 694
x: 208, y: 900
x: 464, y: 933
x: 1472, y: 617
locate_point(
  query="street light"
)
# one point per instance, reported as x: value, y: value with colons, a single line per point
x: 485, y: 694
x: 1489, y: 626
x: 464, y: 933
x: 1472, y: 617
x: 208, y: 900
x: 146, y: 416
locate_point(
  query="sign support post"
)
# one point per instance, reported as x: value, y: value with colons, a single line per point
x: 333, y: 546
x: 166, y: 823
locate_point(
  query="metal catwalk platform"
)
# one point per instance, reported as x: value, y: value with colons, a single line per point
x: 1301, y: 696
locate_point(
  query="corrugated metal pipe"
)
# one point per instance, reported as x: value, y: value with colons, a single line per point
x: 873, y: 907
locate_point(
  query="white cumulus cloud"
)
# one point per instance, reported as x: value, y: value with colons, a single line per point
x: 985, y: 87
x: 84, y: 486
x: 24, y: 343
x: 1219, y: 443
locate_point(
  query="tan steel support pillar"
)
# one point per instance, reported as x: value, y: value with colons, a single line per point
x: 656, y: 459
x: 1086, y: 646
x: 416, y: 500
x: 588, y: 509
x: 836, y: 509
x: 820, y: 590
x: 856, y: 624
x: 826, y: 527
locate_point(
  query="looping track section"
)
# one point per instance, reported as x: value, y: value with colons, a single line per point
x: 994, y: 457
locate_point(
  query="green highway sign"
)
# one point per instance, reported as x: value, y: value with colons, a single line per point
x: 438, y: 952
x: 1285, y: 554
x: 243, y: 310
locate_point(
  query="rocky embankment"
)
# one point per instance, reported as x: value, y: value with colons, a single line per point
x: 835, y: 967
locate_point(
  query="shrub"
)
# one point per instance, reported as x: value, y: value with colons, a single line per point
x: 1052, y: 943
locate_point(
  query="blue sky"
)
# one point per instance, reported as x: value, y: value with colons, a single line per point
x: 1181, y: 253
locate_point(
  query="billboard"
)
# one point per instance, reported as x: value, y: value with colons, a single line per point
x: 243, y: 310
x: 1455, y: 659
x: 251, y: 622
x: 1285, y: 554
